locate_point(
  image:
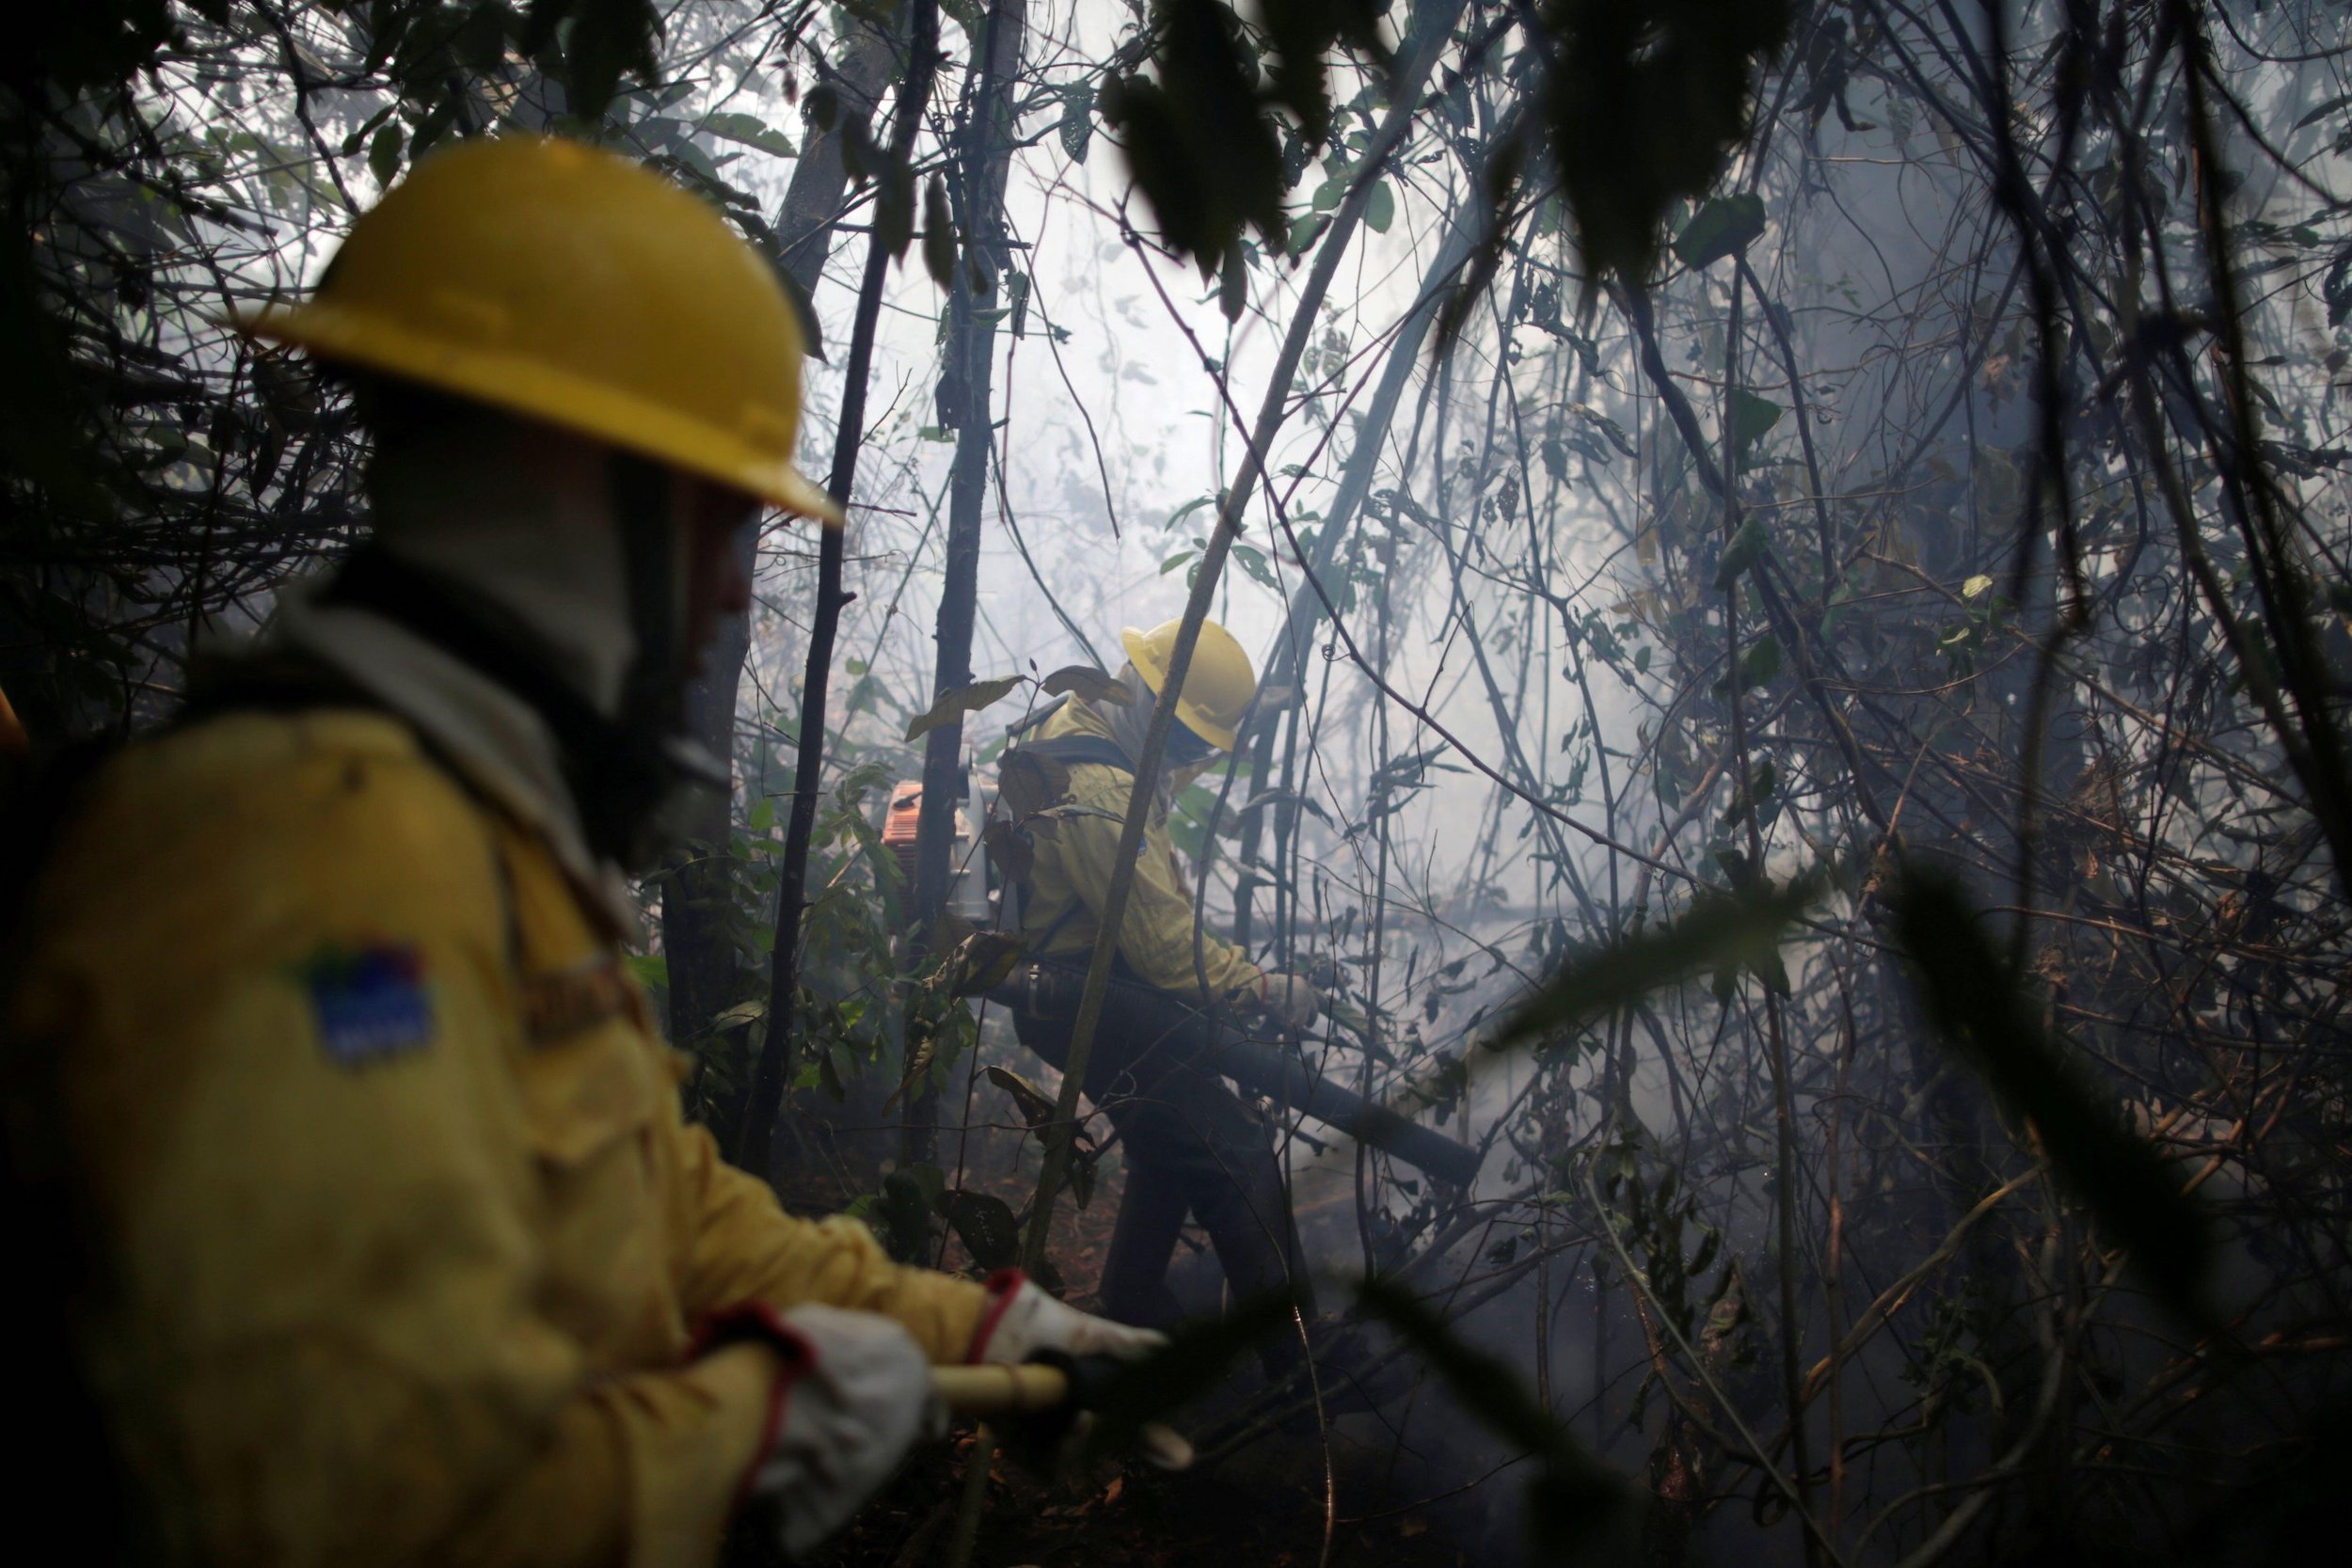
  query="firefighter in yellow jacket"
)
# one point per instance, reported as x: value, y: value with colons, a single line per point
x: 1192, y: 1143
x: 394, y: 1246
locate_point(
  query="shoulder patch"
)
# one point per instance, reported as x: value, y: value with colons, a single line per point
x: 372, y: 1004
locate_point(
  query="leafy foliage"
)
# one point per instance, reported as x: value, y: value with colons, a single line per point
x: 600, y: 42
x: 1870, y: 438
x: 1196, y: 136
x: 1738, y: 928
x: 1645, y: 101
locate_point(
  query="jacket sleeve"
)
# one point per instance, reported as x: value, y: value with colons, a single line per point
x: 744, y: 1247
x: 1156, y: 935
x: 281, y: 1025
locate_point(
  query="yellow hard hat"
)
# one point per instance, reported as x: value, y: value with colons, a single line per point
x: 577, y: 288
x: 1220, y: 684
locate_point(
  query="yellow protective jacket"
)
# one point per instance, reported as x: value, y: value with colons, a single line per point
x: 1072, y: 879
x: 397, y: 1237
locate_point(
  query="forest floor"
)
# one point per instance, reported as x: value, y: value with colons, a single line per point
x: 1263, y: 1507
x: 1344, y: 1494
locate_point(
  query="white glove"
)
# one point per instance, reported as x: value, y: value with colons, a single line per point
x: 1292, y: 1002
x: 1022, y: 1319
x: 855, y: 1394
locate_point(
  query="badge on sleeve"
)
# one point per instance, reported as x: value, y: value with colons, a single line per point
x: 371, y: 1003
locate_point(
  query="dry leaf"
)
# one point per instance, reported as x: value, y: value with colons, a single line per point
x: 1010, y: 851
x: 1086, y: 681
x: 1027, y: 784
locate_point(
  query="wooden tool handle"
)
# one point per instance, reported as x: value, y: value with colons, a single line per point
x: 1000, y: 1390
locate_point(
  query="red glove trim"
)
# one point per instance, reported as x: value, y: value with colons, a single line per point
x: 1001, y: 1287
x: 759, y: 1322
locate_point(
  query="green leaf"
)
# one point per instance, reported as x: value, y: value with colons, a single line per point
x: 680, y: 148
x: 1760, y: 663
x: 1724, y: 227
x: 956, y: 701
x: 1979, y: 1006
x: 1746, y: 549
x: 358, y: 138
x: 1254, y: 561
x: 749, y: 130
x: 1741, y: 928
x: 1751, y: 417
x: 910, y: 1196
x: 383, y: 154
x: 2331, y: 107
x: 1330, y: 193
x: 1305, y: 229
x: 1380, y: 207
x: 1233, y: 284
x: 1976, y: 587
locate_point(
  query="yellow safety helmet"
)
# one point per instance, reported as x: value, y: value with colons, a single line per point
x: 1219, y: 685
x: 577, y: 288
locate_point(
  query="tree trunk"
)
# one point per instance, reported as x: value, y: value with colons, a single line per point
x: 966, y: 398
x: 698, y: 892
x: 766, y: 1093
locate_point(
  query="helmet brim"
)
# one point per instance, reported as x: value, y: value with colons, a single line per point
x: 536, y: 391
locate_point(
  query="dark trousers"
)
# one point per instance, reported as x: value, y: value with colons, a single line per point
x: 1193, y: 1146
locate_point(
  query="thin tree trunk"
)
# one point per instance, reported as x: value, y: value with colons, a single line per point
x: 757, y: 1138
x: 965, y: 396
x: 697, y: 894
